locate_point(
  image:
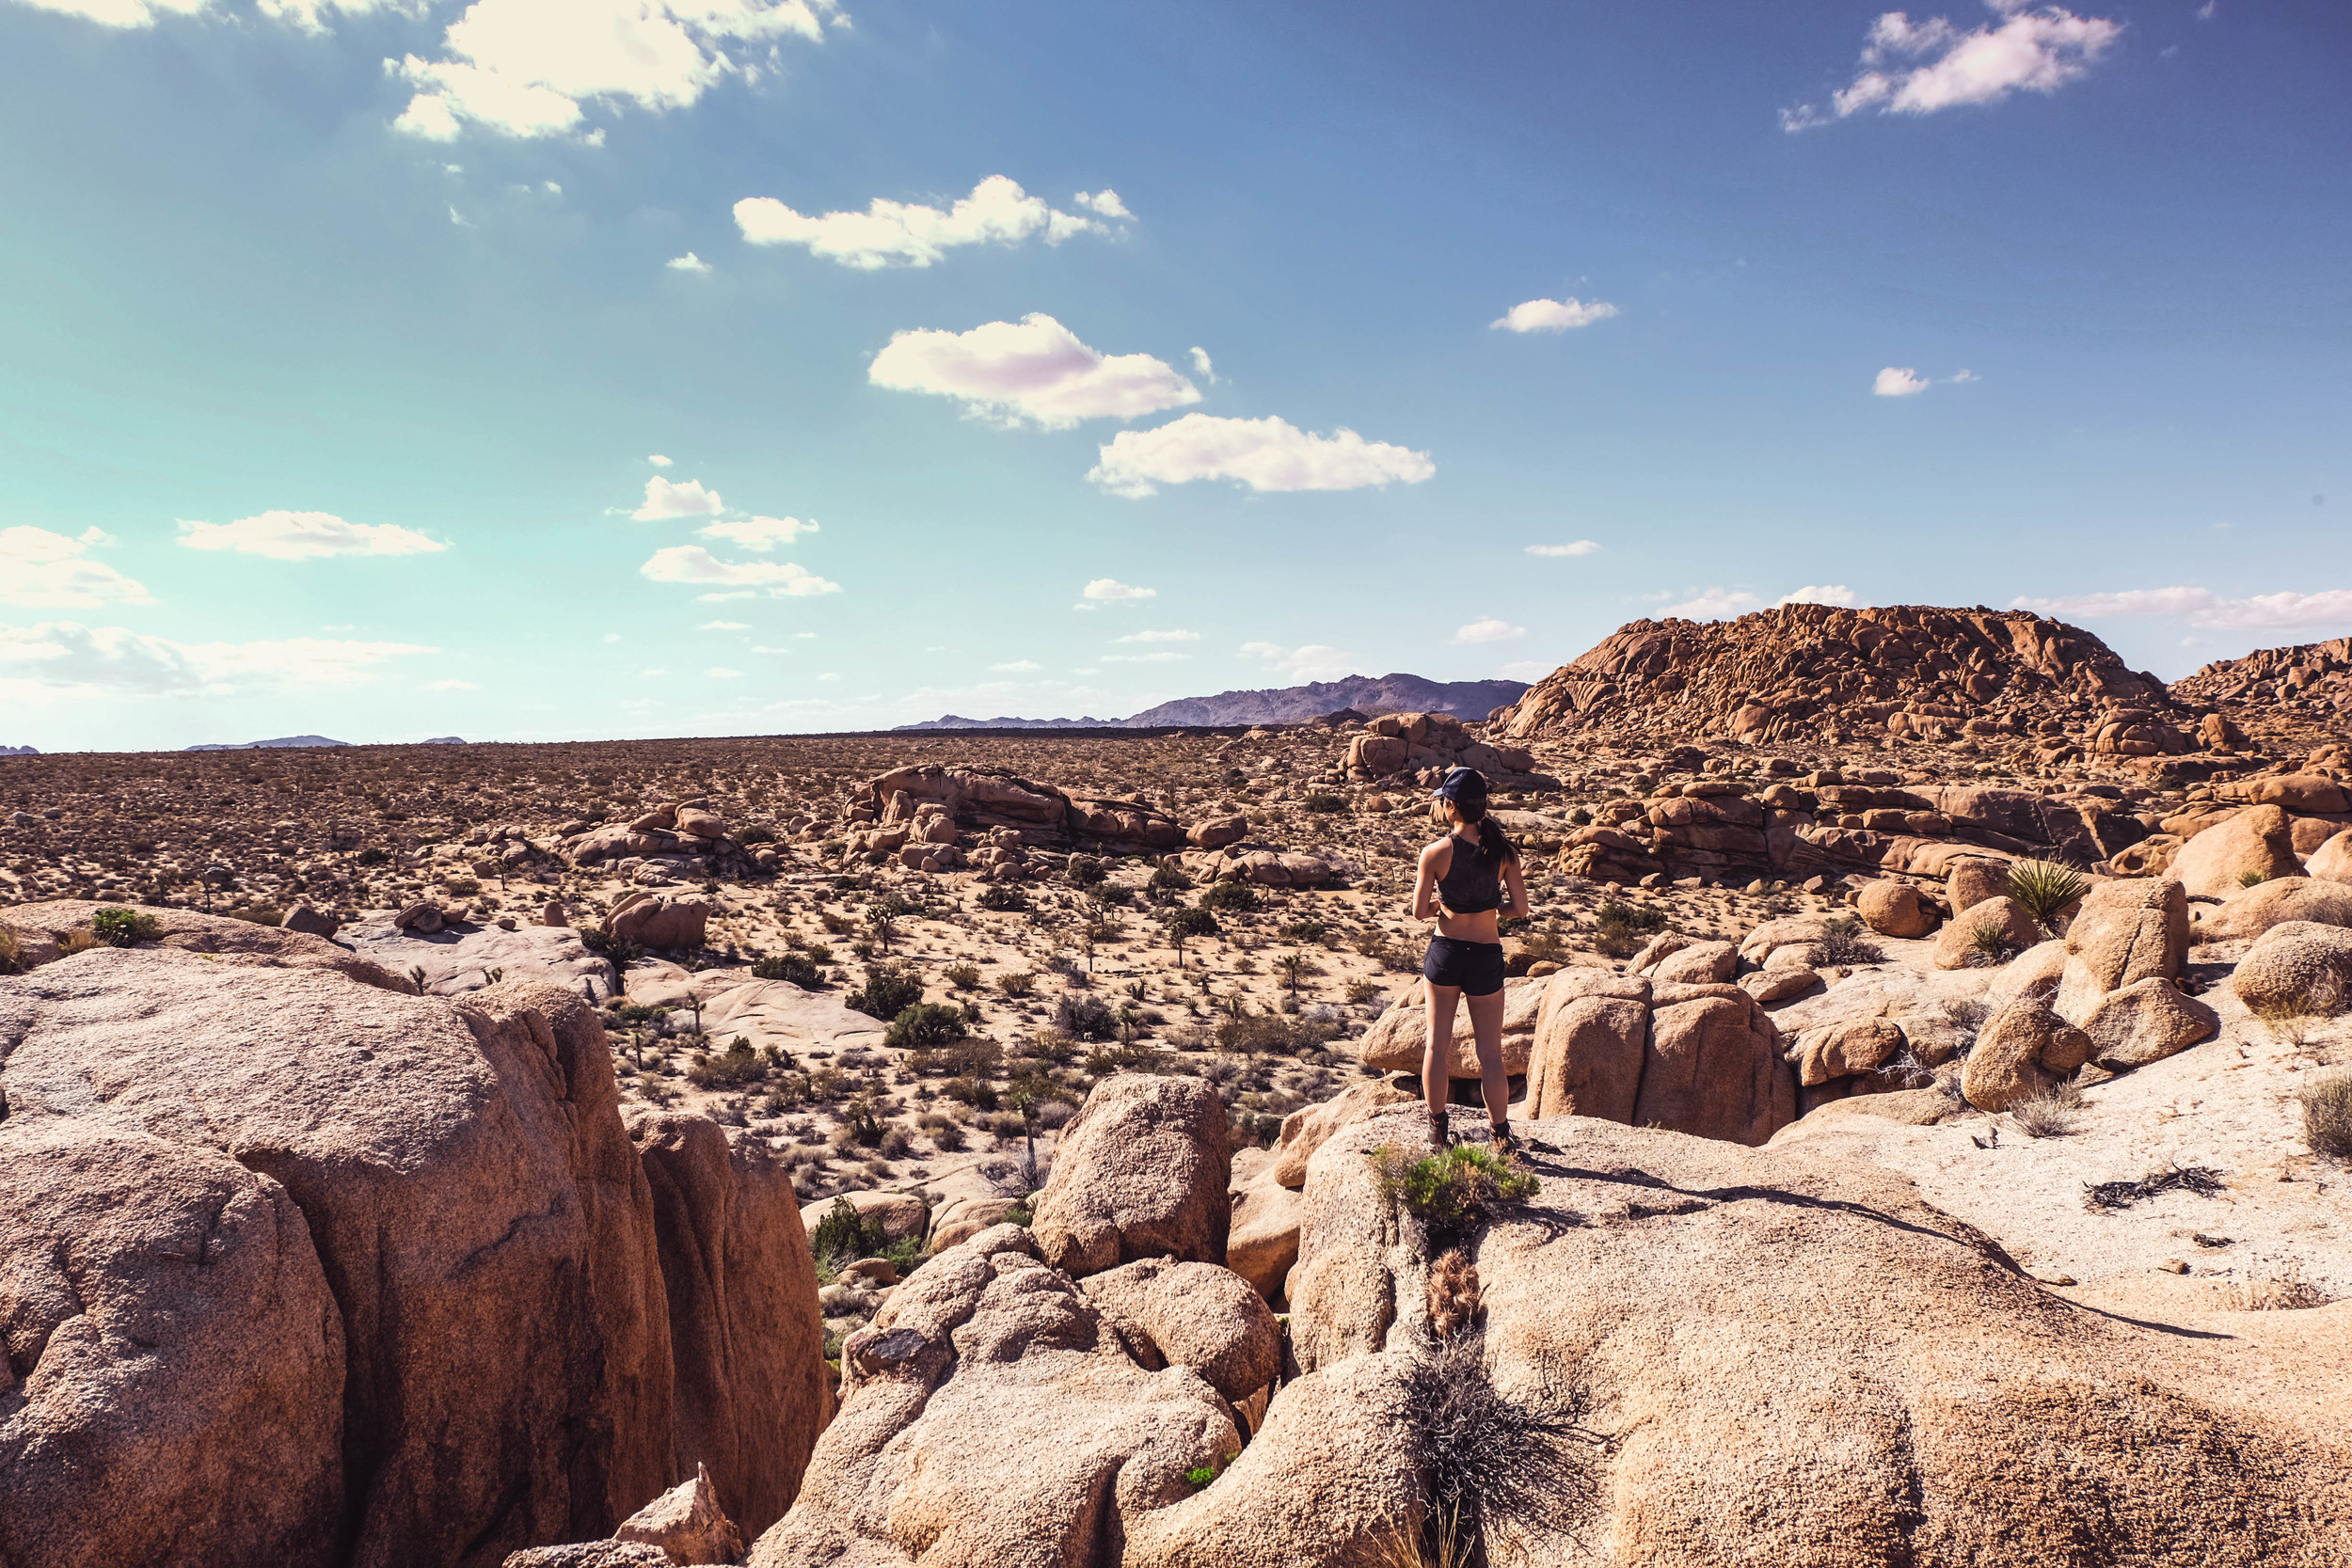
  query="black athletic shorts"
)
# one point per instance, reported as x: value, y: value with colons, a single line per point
x: 1474, y: 966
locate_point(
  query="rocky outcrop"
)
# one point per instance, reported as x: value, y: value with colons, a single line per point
x: 1425, y: 746
x: 1196, y: 1315
x: 973, y: 800
x: 2296, y: 968
x: 1304, y: 1129
x: 2257, y: 843
x: 746, y: 1338
x: 187, y: 932
x: 989, y: 1414
x: 2125, y: 932
x: 2251, y: 912
x: 686, y: 1522
x: 461, y: 958
x: 1141, y: 1172
x: 1702, y: 1058
x: 2280, y: 695
x: 469, y: 1200
x: 658, y: 920
x: 2023, y: 1050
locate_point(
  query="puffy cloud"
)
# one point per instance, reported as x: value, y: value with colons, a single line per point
x: 1715, y: 604
x: 305, y: 536
x: 1201, y: 365
x: 694, y: 564
x: 1102, y: 590
x: 658, y: 460
x: 687, y: 262
x: 1575, y: 547
x: 1918, y: 68
x: 1896, y: 383
x: 1159, y: 637
x: 1104, y: 201
x: 1017, y: 667
x: 1552, y: 315
x: 909, y: 235
x: 1034, y: 372
x: 724, y: 626
x: 757, y: 534
x: 1833, y: 593
x: 664, y: 500
x: 1313, y: 662
x: 122, y: 13
x: 1489, y: 630
x: 63, y: 661
x: 1266, y: 454
x: 1164, y: 656
x: 524, y: 68
x: 2328, y: 606
x: 42, y: 570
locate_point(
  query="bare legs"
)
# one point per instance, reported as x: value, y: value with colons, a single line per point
x: 1437, y: 1055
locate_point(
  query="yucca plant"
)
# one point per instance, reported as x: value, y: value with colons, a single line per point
x: 2045, y: 887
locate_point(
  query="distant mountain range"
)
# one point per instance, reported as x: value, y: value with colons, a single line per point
x: 1288, y: 704
x: 18, y: 752
x: 267, y: 745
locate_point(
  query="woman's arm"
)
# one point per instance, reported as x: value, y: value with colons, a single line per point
x: 1433, y: 861
x: 1515, y: 885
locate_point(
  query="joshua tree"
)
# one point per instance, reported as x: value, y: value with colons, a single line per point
x: 1190, y: 921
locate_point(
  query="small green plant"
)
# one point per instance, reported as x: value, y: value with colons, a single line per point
x: 888, y: 991
x: 1017, y: 983
x: 844, y: 1236
x: 1581, y: 817
x: 2328, y: 1116
x: 1620, y: 928
x: 2044, y: 888
x: 1323, y: 803
x: 961, y: 977
x: 1084, y: 1017
x: 1192, y: 922
x: 755, y: 834
x: 1453, y: 1190
x: 1170, y: 878
x: 1232, y: 897
x: 1846, y: 941
x: 732, y: 1068
x: 799, y: 968
x: 927, y: 1027
x: 124, y: 927
x: 1003, y: 898
x: 1302, y: 931
x: 1085, y: 871
x: 1363, y: 988
x: 2252, y: 878
x: 1200, y: 1475
x: 1989, y: 947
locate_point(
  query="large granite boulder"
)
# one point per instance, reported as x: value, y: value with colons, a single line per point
x: 1141, y: 1172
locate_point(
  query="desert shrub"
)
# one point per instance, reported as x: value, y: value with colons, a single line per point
x: 372, y: 855
x: 1324, y: 804
x: 971, y: 1090
x: 1085, y: 871
x: 799, y: 968
x: 948, y: 1137
x: 2328, y: 1116
x: 1003, y: 898
x: 961, y: 977
x: 2252, y: 878
x: 755, y: 834
x: 1453, y: 1190
x: 1168, y: 879
x: 844, y: 1236
x: 1234, y: 897
x: 1620, y: 928
x: 124, y: 927
x: 1581, y: 817
x: 732, y: 1068
x: 2280, y: 1287
x: 1509, y: 1474
x: 888, y: 991
x: 1846, y: 941
x: 1363, y: 988
x: 1309, y: 929
x: 927, y: 1027
x: 1989, y: 947
x: 79, y: 940
x: 1544, y: 946
x: 897, y: 1143
x: 1273, y: 1034
x: 1084, y: 1017
x: 11, y: 953
x: 1017, y: 983
x: 2045, y: 887
x: 2051, y: 1114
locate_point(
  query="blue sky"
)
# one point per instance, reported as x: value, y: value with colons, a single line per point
x: 555, y: 369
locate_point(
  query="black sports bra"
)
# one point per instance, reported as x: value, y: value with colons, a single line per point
x: 1468, y: 886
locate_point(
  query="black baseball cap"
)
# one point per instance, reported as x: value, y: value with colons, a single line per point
x: 1465, y: 787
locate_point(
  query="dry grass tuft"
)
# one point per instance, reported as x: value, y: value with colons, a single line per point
x: 1505, y: 1472
x: 2282, y: 1288
x: 2328, y: 1116
x: 2051, y: 1114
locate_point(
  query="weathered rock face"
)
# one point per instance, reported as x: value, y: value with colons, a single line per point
x: 1141, y: 1173
x: 658, y: 920
x: 2125, y: 932
x: 172, y: 1385
x: 1587, y: 1055
x: 1896, y: 910
x: 2281, y: 695
x: 2255, y: 910
x: 988, y: 1416
x: 1713, y: 1068
x: 457, y: 960
x: 1304, y: 1130
x: 2023, y: 1050
x: 1264, y: 1240
x: 1955, y: 944
x: 2258, y: 841
x: 1195, y: 1314
x: 686, y: 1523
x: 1957, y: 1414
x: 746, y: 1336
x: 2332, y: 860
x: 978, y: 798
x: 1428, y: 744
x: 477, y: 1214
x: 187, y: 932
x: 2146, y: 1022
x: 1817, y: 671
x: 2297, y: 968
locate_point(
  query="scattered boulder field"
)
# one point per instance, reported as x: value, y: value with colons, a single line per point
x: 1934, y: 1134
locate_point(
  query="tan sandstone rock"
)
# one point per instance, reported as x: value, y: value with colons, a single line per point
x: 187, y: 932
x: 1304, y: 1130
x: 1588, y: 1045
x: 1141, y: 1172
x: 2297, y: 968
x: 1970, y: 881
x: 1895, y: 909
x: 1195, y: 1314
x: 2125, y: 932
x: 902, y: 1216
x: 2252, y: 910
x: 686, y: 1522
x: 2332, y: 860
x: 1954, y: 943
x: 2146, y: 1022
x: 2023, y: 1048
x: 1264, y: 1243
x: 658, y: 920
x: 1713, y: 1068
x: 2259, y: 840
x: 1398, y: 1039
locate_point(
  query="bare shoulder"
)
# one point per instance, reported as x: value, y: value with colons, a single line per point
x: 1437, y: 851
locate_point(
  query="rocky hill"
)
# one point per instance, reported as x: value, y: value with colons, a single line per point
x: 1809, y: 672
x: 2284, y: 697
x: 1293, y: 704
x: 957, y: 722
x: 282, y: 740
x: 18, y: 752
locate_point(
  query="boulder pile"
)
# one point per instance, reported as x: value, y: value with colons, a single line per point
x: 2282, y: 696
x: 969, y: 800
x: 1810, y: 672
x: 1423, y: 746
x: 682, y: 841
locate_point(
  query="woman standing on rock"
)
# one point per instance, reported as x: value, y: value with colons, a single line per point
x: 1463, y: 878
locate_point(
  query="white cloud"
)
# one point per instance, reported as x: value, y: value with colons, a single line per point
x: 2328, y: 606
x: 1017, y: 667
x: 692, y: 563
x: 1104, y: 201
x: 611, y: 637
x: 724, y: 626
x: 1102, y: 590
x: 1313, y: 662
x: 1577, y: 546
x: 1489, y: 630
x: 1917, y: 68
x: 1159, y: 637
x: 715, y: 673
x: 687, y: 262
x: 1526, y: 669
x: 1035, y: 371
x: 1715, y: 604
x: 658, y: 460
x: 998, y: 211
x: 1164, y: 656
x: 761, y: 648
x: 453, y: 684
x: 1896, y: 383
x: 42, y: 570
x: 757, y: 534
x: 1552, y: 315
x: 525, y: 68
x: 122, y: 13
x: 1266, y: 454
x: 830, y: 675
x: 665, y: 499
x: 1832, y: 593
x: 65, y: 661
x: 1201, y: 365
x: 305, y: 536
x: 1963, y: 376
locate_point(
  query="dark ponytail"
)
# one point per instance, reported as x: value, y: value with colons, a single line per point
x: 1495, y: 848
